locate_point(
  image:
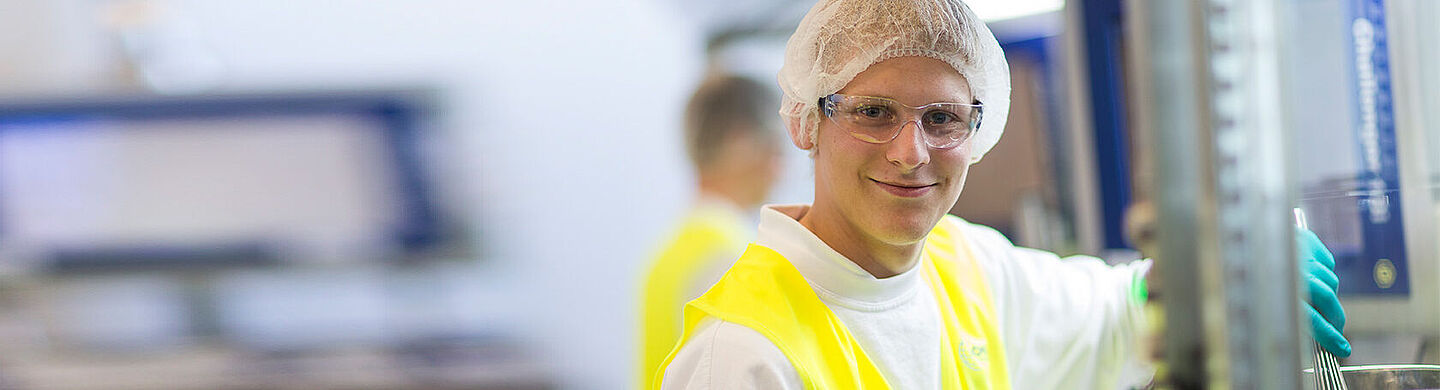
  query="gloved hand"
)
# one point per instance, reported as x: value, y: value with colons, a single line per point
x: 1327, y: 318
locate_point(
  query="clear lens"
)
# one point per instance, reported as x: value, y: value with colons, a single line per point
x: 878, y: 120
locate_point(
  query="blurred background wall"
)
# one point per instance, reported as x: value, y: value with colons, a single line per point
x: 559, y: 124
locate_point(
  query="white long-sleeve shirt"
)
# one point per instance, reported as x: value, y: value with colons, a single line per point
x: 1066, y: 324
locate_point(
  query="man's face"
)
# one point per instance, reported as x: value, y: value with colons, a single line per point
x: 893, y: 192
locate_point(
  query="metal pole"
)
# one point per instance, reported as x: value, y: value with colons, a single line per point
x: 1209, y: 80
x: 1168, y: 100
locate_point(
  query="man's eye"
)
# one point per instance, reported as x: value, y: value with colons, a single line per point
x: 940, y: 117
x: 871, y: 112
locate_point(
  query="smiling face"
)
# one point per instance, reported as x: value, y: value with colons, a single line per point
x: 890, y: 194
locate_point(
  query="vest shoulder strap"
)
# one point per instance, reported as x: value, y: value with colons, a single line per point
x: 971, y: 346
x: 764, y: 292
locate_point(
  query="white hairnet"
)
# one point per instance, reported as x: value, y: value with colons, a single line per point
x: 840, y: 38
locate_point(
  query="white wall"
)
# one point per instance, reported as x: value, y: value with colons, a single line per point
x: 567, y: 115
x: 568, y: 110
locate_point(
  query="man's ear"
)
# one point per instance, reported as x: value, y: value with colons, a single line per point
x: 798, y: 134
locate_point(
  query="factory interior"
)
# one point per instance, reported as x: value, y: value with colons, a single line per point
x: 305, y: 194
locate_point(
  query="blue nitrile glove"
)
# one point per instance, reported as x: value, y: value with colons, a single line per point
x: 1327, y: 318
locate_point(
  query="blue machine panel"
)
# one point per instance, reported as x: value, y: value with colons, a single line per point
x: 1380, y: 267
x: 1355, y: 195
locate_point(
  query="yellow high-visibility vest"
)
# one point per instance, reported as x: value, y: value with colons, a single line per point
x: 763, y: 291
x: 709, y: 233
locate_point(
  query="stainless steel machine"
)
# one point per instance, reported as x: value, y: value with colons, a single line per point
x: 1246, y: 109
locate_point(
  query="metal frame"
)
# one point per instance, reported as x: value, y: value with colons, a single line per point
x: 1083, y: 176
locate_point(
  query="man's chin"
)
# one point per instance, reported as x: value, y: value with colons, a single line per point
x: 905, y: 229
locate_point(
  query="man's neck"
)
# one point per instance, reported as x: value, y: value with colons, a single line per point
x: 880, y: 259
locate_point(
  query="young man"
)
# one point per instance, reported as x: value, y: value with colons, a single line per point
x: 873, y: 286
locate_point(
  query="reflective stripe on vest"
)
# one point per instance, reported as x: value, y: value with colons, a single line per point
x: 764, y: 292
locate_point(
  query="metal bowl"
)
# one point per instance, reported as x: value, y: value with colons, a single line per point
x: 1392, y: 377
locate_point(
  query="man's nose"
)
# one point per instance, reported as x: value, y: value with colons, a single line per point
x: 908, y: 150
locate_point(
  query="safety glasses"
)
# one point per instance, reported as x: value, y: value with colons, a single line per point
x: 878, y: 120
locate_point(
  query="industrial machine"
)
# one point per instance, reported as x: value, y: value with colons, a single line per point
x: 1246, y: 109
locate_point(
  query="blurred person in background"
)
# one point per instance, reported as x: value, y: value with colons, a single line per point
x: 873, y: 286
x: 733, y: 143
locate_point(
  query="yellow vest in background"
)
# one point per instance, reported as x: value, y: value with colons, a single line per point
x: 764, y: 292
x: 709, y: 233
